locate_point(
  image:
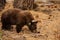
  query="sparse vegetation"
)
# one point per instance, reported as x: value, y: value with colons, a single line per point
x: 48, y: 25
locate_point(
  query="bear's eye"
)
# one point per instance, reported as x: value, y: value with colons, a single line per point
x: 29, y: 23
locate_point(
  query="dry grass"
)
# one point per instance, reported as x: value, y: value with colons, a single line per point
x: 48, y: 25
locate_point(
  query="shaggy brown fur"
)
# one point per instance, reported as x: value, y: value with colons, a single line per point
x: 19, y: 18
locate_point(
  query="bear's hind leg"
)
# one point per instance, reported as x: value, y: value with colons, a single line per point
x: 6, y: 27
x: 3, y: 27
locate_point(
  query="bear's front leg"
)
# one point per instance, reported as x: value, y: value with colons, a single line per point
x: 18, y: 28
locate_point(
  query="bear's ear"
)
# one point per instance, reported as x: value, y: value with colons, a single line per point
x: 34, y: 21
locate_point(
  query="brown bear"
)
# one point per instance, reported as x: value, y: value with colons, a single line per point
x: 19, y: 18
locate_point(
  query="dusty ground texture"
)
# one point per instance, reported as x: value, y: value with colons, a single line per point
x: 48, y: 25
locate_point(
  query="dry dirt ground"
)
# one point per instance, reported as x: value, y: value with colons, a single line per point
x: 48, y: 25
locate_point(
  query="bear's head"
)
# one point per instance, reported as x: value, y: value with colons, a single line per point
x: 33, y: 25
